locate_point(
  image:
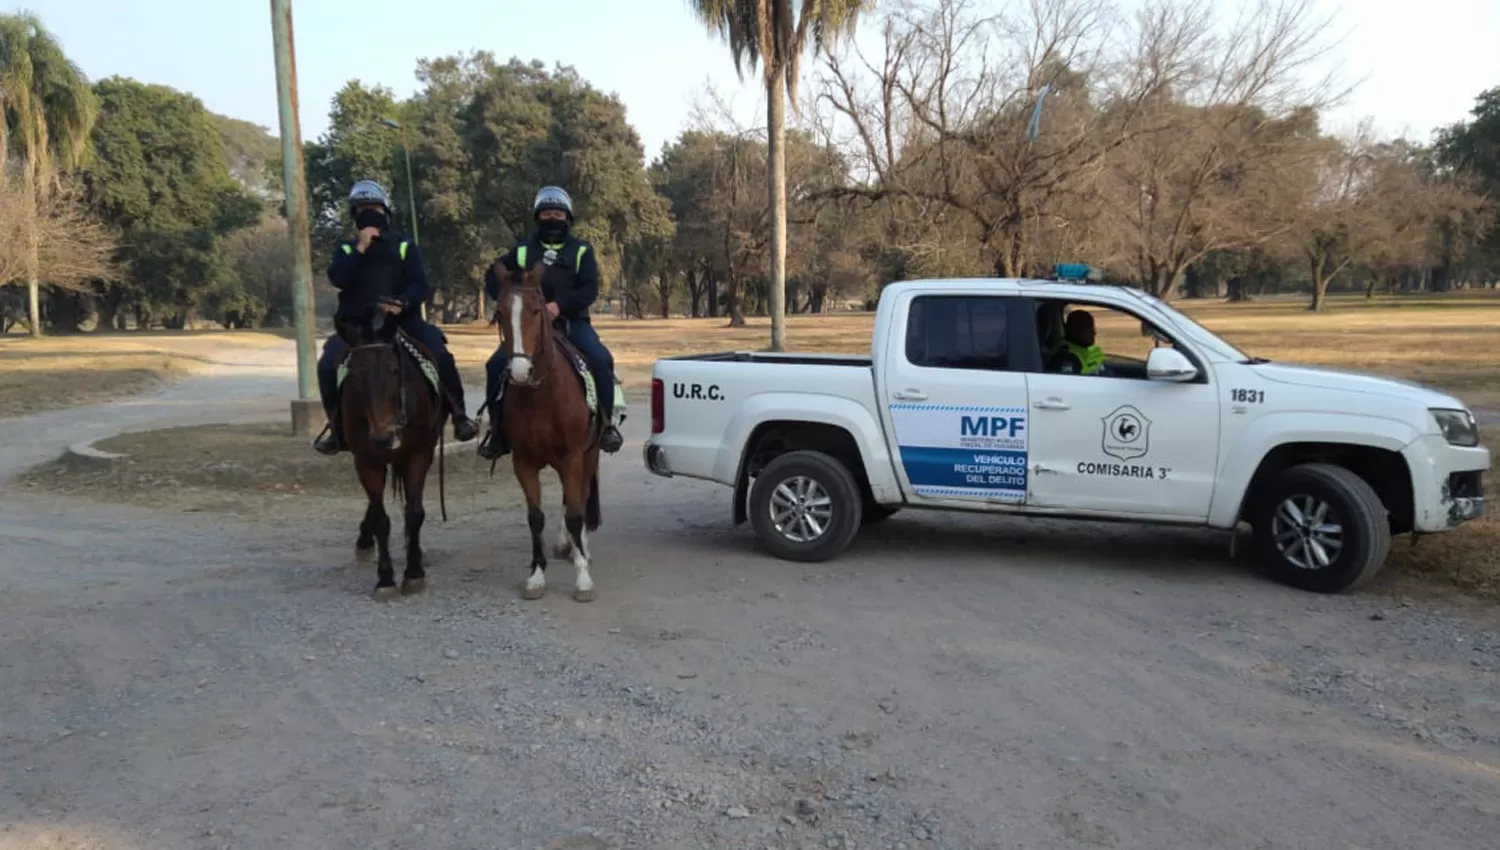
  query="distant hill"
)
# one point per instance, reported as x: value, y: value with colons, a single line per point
x: 248, y: 148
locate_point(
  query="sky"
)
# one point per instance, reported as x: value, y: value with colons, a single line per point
x: 1420, y: 63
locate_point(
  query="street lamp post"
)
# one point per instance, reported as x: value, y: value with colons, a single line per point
x: 411, y: 187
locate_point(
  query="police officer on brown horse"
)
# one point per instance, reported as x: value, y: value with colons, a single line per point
x: 570, y: 286
x: 377, y: 268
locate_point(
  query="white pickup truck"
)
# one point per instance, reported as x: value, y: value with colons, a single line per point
x: 964, y: 405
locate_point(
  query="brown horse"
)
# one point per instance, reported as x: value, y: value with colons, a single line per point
x: 547, y: 421
x: 393, y: 421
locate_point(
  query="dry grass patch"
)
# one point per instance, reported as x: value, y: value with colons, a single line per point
x: 245, y: 468
x: 56, y: 372
x: 35, y: 378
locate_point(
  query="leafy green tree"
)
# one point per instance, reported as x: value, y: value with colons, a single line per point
x: 46, y: 113
x: 160, y: 179
x: 1471, y: 149
x: 355, y: 147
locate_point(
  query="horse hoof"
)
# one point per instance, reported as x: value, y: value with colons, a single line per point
x: 387, y: 593
x: 583, y: 595
x: 363, y: 553
x: 533, y: 592
x: 413, y: 586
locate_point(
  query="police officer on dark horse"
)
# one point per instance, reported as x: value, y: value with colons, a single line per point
x: 373, y: 269
x: 570, y: 286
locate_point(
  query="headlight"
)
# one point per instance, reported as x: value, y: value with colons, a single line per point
x: 1458, y: 426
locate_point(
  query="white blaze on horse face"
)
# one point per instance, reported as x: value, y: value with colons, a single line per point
x: 520, y: 363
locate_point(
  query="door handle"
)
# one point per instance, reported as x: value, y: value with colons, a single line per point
x: 910, y: 395
x: 1053, y: 403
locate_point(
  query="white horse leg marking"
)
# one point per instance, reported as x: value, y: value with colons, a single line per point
x: 564, y: 545
x: 584, y: 582
x: 537, y: 580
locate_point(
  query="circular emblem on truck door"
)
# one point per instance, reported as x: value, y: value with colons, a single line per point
x: 1127, y: 433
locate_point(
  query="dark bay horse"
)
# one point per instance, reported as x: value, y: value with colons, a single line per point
x: 547, y: 420
x: 393, y: 421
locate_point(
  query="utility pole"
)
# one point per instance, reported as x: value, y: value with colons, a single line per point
x: 305, y: 407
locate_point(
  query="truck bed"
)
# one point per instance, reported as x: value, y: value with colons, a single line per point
x: 786, y: 358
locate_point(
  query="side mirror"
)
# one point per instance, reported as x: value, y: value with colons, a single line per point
x: 1169, y: 364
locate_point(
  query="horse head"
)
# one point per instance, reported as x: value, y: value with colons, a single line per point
x: 374, y: 383
x: 523, y: 320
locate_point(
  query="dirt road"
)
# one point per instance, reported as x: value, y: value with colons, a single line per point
x: 184, y: 681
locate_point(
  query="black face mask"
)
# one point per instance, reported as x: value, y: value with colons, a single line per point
x: 371, y: 218
x: 552, y: 231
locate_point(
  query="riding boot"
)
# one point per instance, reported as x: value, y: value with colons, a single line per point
x: 494, y: 445
x: 610, y: 440
x: 332, y: 442
x: 464, y: 428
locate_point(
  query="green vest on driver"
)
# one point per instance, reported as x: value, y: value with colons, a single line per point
x: 1090, y: 357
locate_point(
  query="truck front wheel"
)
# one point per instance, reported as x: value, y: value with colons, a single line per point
x: 805, y: 506
x: 1321, y: 527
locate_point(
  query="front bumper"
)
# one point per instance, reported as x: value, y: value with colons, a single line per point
x: 1447, y: 483
x: 656, y: 460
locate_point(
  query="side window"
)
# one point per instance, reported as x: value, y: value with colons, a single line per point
x: 958, y: 332
x: 1099, y: 339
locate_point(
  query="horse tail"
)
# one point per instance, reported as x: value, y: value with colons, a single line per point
x: 591, y: 508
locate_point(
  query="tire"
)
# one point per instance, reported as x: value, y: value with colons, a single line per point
x: 1351, y: 504
x: 875, y: 513
x: 828, y: 476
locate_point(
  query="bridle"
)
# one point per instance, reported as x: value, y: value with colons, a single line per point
x: 536, y: 376
x: 395, y: 346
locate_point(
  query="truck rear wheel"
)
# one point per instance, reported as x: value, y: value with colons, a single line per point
x: 1321, y: 527
x: 805, y: 506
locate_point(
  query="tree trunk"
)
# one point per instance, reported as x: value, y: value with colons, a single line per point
x: 33, y: 250
x: 1320, y: 285
x: 776, y: 178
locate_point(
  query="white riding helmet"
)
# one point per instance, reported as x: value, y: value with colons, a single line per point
x: 369, y: 192
x: 552, y: 198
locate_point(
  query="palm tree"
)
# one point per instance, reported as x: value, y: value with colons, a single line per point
x: 773, y: 34
x: 47, y: 110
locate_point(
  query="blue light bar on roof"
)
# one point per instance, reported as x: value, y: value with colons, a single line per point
x: 1071, y: 271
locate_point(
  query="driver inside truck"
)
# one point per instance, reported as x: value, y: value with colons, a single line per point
x: 1081, y: 356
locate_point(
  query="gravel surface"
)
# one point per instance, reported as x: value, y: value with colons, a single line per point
x: 192, y: 681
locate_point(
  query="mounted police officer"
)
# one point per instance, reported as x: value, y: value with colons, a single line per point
x: 570, y: 285
x: 372, y: 270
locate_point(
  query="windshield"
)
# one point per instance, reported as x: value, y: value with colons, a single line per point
x: 1199, y: 334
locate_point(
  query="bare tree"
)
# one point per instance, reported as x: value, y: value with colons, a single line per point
x: 71, y: 247
x: 1004, y: 118
x: 1232, y: 136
